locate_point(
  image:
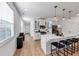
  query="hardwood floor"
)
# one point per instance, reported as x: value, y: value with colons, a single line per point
x: 32, y: 48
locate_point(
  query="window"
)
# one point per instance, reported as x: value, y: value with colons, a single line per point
x: 6, y: 21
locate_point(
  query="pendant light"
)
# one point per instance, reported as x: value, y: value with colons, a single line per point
x: 55, y: 17
x: 69, y: 14
x: 63, y: 18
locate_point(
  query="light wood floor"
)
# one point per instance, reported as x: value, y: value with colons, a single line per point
x: 32, y: 48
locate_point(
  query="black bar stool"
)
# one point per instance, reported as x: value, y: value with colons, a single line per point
x: 71, y: 41
x: 58, y: 47
x: 75, y: 40
x: 68, y: 44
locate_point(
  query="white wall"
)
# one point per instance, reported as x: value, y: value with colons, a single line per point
x: 32, y: 27
x: 27, y: 22
x: 70, y: 26
x: 22, y: 26
x: 27, y: 28
x: 8, y: 47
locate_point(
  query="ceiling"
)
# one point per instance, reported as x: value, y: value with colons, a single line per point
x: 46, y: 9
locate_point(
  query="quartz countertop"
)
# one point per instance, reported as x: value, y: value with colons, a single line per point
x: 52, y: 36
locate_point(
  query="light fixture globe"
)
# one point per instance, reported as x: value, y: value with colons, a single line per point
x: 55, y: 18
x: 59, y: 26
x: 63, y: 18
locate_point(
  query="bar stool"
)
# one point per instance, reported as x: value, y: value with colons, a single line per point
x: 67, y: 46
x: 58, y: 47
x: 71, y: 41
x: 75, y: 40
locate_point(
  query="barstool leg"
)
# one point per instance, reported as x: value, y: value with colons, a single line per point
x: 51, y: 49
x: 77, y: 46
x: 67, y: 51
x: 64, y: 52
x: 57, y: 52
x: 74, y: 47
x: 71, y: 49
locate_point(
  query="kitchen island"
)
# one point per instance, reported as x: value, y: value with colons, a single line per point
x: 48, y: 38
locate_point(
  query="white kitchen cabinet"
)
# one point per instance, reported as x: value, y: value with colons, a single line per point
x: 37, y: 36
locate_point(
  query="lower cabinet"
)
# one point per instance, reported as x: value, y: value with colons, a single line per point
x: 37, y: 36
